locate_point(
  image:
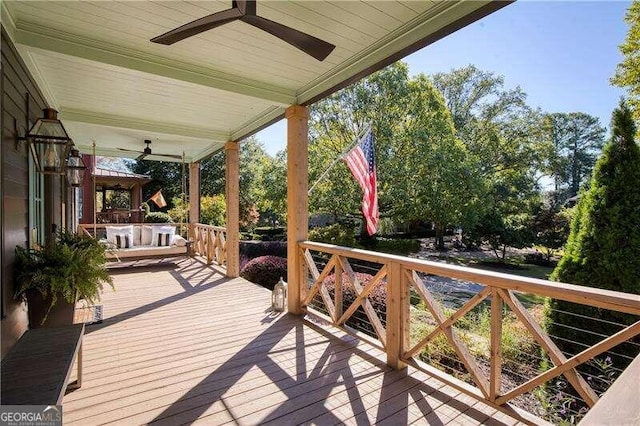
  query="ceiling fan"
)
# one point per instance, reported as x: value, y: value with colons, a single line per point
x: 245, y: 11
x: 147, y: 151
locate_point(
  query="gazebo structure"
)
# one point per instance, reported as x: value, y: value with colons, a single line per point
x: 117, y: 197
x: 116, y: 82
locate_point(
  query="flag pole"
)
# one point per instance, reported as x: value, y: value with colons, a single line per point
x: 340, y: 157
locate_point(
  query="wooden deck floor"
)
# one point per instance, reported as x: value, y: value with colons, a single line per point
x: 186, y: 345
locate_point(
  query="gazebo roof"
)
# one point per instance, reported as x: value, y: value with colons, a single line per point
x: 94, y: 62
x: 107, y: 173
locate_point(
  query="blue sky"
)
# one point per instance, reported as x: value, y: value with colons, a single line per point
x: 561, y: 53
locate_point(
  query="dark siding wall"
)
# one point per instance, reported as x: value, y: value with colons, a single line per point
x: 16, y: 83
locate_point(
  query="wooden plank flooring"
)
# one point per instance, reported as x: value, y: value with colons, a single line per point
x: 186, y: 345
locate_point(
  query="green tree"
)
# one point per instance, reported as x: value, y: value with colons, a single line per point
x: 628, y: 71
x: 255, y: 168
x: 551, y: 229
x: 508, y: 141
x: 165, y: 175
x: 424, y: 172
x: 494, y: 123
x: 180, y: 210
x: 439, y: 174
x: 213, y: 210
x: 504, y: 220
x: 334, y: 125
x: 272, y: 200
x: 577, y: 140
x: 603, y: 249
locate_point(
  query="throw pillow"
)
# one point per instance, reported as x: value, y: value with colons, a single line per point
x: 137, y: 235
x: 112, y: 231
x: 163, y: 239
x: 162, y: 230
x: 179, y: 241
x: 146, y: 235
x: 124, y: 241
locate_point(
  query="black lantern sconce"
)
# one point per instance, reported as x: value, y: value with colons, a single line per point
x: 49, y: 143
x: 75, y: 169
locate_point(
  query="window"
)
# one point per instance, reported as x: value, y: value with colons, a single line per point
x: 36, y: 206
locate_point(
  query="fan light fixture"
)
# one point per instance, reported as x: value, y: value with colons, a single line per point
x: 75, y: 169
x: 49, y: 143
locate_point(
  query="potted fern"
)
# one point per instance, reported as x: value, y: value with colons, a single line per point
x: 52, y: 278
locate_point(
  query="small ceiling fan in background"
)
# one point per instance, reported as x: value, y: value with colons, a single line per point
x: 245, y: 11
x: 147, y: 151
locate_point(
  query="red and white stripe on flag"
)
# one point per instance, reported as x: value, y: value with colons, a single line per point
x: 361, y: 162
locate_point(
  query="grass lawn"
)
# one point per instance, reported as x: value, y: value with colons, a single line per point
x: 514, y: 266
x: 521, y: 269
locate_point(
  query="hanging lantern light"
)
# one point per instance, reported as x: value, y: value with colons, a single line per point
x: 75, y: 169
x: 279, y: 296
x: 49, y: 143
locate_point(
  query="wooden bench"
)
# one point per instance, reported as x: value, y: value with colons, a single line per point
x: 36, y: 370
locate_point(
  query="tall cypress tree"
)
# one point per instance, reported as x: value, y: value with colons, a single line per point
x: 603, y: 249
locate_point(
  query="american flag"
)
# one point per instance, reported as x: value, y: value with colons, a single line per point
x: 361, y: 161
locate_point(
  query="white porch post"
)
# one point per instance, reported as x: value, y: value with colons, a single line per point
x: 232, y: 186
x: 297, y: 199
x: 194, y: 192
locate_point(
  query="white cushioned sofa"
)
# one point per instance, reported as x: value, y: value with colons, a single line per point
x: 143, y: 240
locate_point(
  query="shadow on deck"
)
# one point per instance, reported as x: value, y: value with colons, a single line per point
x: 187, y: 345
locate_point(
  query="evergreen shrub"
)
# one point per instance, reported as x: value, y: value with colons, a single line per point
x: 338, y: 234
x: 265, y: 270
x: 158, y: 217
x: 603, y: 249
x: 253, y: 249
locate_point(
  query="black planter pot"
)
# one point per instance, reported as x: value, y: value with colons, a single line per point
x: 61, y: 314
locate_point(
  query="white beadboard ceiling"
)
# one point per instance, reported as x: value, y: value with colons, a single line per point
x: 94, y: 62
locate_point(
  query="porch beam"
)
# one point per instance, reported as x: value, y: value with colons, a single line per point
x: 232, y: 188
x: 194, y: 192
x: 52, y: 40
x: 297, y: 200
x: 265, y: 119
x: 122, y: 122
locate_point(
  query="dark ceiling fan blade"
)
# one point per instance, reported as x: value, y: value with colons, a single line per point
x: 309, y: 44
x: 198, y: 26
x: 179, y: 157
x: 144, y: 153
x: 129, y: 150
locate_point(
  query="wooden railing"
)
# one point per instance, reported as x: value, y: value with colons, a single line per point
x: 209, y: 241
x: 402, y: 277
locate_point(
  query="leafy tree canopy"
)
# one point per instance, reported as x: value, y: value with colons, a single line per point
x: 628, y: 71
x: 424, y: 171
x: 577, y: 140
x: 262, y: 181
x: 166, y: 176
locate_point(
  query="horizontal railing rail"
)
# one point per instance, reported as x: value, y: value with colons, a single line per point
x: 209, y: 241
x: 405, y: 278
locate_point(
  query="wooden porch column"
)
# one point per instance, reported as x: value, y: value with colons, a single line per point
x: 88, y: 193
x: 297, y: 200
x: 194, y: 192
x: 397, y: 316
x: 232, y: 182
